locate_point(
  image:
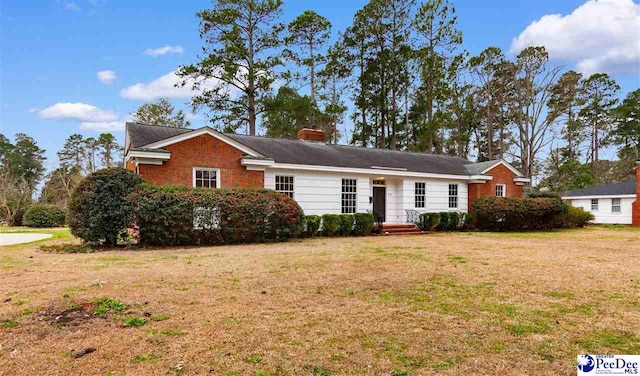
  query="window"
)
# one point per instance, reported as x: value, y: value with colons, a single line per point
x: 349, y: 196
x: 206, y: 177
x: 615, y: 205
x: 420, y: 191
x: 453, y: 196
x: 284, y: 184
x: 378, y: 182
x: 594, y: 205
x: 501, y: 190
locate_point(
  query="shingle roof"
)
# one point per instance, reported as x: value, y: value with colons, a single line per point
x: 320, y: 154
x: 622, y: 188
x: 478, y: 168
x: 144, y: 134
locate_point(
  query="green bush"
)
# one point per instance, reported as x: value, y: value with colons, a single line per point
x: 443, y: 221
x: 454, y: 221
x: 428, y: 221
x: 572, y: 218
x: 171, y: 215
x: 466, y: 220
x: 346, y: 224
x: 363, y: 223
x: 330, y: 224
x: 516, y: 214
x: 41, y: 215
x: 312, y: 224
x: 99, y: 210
x: 544, y: 195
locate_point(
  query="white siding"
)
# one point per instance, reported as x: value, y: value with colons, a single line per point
x: 321, y: 192
x: 437, y: 195
x: 604, y: 214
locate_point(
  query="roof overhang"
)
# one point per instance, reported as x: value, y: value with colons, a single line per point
x: 521, y: 180
x: 505, y: 164
x: 154, y: 157
x: 199, y: 132
x: 263, y: 164
x: 597, y: 197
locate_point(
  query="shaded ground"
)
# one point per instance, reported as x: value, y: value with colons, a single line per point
x: 469, y: 303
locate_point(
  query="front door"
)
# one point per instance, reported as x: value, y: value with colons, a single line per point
x: 380, y: 202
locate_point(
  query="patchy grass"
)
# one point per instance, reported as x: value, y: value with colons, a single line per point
x: 454, y: 303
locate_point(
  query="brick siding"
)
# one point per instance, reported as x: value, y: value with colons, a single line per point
x: 501, y: 175
x: 202, y: 151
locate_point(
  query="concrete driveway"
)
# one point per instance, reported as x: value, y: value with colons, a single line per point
x: 8, y: 238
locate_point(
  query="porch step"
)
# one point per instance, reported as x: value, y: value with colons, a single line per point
x: 400, y: 229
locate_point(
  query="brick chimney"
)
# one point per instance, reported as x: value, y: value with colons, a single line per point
x: 315, y: 135
x: 635, y: 207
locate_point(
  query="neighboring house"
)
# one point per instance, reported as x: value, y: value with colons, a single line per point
x: 616, y: 203
x: 322, y: 178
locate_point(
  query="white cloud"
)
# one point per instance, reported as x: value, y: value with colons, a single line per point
x: 155, y: 52
x: 77, y: 111
x: 102, y: 126
x: 71, y: 6
x: 107, y: 77
x: 599, y: 35
x: 164, y: 87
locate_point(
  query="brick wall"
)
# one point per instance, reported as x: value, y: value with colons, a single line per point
x: 501, y: 175
x: 635, y: 207
x: 202, y: 151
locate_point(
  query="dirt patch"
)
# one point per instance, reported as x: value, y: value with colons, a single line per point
x: 62, y: 314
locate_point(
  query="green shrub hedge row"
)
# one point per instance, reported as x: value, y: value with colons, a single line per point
x: 359, y: 224
x: 528, y: 213
x: 167, y: 215
x: 41, y: 215
x: 444, y: 221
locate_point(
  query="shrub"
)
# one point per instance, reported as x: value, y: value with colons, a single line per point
x: 171, y: 215
x: 516, y: 214
x: 40, y: 215
x: 363, y: 223
x: 466, y: 220
x: 99, y: 210
x: 572, y: 218
x: 330, y: 224
x: 346, y: 224
x: 312, y: 224
x: 454, y: 221
x: 443, y: 221
x: 544, y: 195
x: 429, y: 221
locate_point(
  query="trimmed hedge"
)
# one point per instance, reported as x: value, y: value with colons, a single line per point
x: 330, y: 224
x: 516, y: 214
x: 170, y: 215
x: 44, y: 215
x: 363, y: 224
x: 98, y: 209
x: 443, y: 221
x: 312, y: 224
x: 572, y: 218
x: 346, y: 224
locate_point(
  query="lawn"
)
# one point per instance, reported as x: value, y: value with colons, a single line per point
x: 466, y: 303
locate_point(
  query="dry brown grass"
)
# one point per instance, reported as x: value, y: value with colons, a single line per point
x: 469, y: 303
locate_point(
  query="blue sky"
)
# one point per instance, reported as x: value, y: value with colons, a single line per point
x: 52, y: 51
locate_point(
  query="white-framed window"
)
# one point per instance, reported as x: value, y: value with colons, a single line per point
x: 420, y: 194
x: 453, y: 196
x: 284, y: 184
x: 501, y: 190
x: 349, y: 196
x: 594, y: 204
x: 615, y: 205
x: 206, y: 177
